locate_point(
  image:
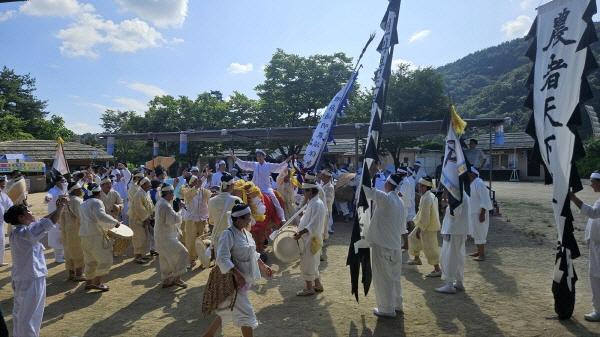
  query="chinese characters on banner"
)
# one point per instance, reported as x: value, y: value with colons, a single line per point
x: 322, y: 133
x: 563, y: 30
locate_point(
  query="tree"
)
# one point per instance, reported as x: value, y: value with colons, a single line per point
x: 296, y: 87
x: 23, y: 115
x: 414, y: 95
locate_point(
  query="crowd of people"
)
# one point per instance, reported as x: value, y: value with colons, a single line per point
x: 195, y: 217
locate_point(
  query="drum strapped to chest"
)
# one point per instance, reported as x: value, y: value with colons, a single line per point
x: 121, y: 237
x: 286, y: 248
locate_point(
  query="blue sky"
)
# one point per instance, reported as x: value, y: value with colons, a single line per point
x: 88, y: 56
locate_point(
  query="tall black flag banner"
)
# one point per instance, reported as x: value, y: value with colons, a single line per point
x: 358, y: 251
x: 561, y: 34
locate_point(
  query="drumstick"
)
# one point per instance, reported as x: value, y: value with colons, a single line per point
x: 275, y: 233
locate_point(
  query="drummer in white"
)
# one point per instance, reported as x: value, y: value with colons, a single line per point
x: 310, y: 230
x: 97, y: 249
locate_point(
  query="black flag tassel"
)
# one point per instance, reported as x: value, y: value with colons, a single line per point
x: 360, y: 259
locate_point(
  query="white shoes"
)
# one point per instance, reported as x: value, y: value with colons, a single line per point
x: 459, y: 286
x: 378, y: 313
x: 592, y: 317
x: 446, y: 289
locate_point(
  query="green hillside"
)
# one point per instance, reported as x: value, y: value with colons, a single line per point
x: 491, y: 82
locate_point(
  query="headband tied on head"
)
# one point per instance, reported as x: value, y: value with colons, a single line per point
x: 75, y: 187
x: 167, y: 188
x: 426, y: 182
x: 106, y: 181
x: 144, y: 180
x: 241, y: 212
x: 261, y: 152
x: 391, y: 181
x: 595, y: 176
x: 96, y: 189
x: 306, y: 186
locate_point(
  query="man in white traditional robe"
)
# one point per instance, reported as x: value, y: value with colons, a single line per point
x: 218, y: 206
x: 384, y: 235
x: 310, y: 231
x: 261, y: 177
x: 592, y: 237
x: 142, y: 213
x: 54, y: 235
x: 97, y: 249
x: 480, y: 205
x: 173, y: 256
x: 407, y: 193
x: 120, y: 186
x: 113, y: 202
x: 329, y: 189
x: 419, y: 171
x: 216, y: 177
x: 452, y: 257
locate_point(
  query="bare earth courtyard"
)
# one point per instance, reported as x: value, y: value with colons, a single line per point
x: 508, y: 295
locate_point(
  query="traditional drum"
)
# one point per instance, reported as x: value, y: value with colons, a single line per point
x: 16, y: 191
x: 343, y: 189
x: 202, y: 243
x: 121, y: 237
x: 285, y: 247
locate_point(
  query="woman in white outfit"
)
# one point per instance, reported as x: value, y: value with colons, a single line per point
x: 236, y: 252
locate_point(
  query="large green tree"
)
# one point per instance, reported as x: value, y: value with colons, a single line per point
x: 22, y: 114
x: 414, y: 95
x: 296, y: 87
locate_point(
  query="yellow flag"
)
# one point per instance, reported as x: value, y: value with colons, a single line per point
x: 458, y: 124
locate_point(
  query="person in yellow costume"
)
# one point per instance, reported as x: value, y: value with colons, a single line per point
x: 195, y: 217
x: 71, y: 221
x: 427, y: 225
x: 142, y: 212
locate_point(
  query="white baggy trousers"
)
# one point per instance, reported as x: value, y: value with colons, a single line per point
x: 28, y: 308
x: 452, y: 258
x: 387, y: 270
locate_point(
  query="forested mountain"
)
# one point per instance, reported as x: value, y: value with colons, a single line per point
x: 491, y: 82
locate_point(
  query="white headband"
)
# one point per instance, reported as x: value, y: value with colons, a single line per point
x: 225, y: 184
x: 96, y: 189
x: 167, y: 188
x: 391, y: 181
x: 595, y: 175
x: 326, y: 173
x: 192, y: 179
x: 261, y: 151
x: 139, y: 175
x: 75, y: 187
x: 401, y: 171
x: 106, y: 180
x: 308, y: 185
x: 426, y: 182
x: 144, y: 180
x: 241, y: 212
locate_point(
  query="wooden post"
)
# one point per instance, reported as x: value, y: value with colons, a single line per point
x: 491, y: 159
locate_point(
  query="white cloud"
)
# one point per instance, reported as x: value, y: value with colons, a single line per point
x: 397, y: 62
x: 420, y: 35
x: 147, y: 89
x: 55, y: 8
x: 89, y: 30
x: 517, y: 27
x: 177, y: 40
x: 237, y: 68
x: 527, y: 4
x: 6, y: 15
x: 131, y: 104
x: 83, y: 127
x: 162, y: 13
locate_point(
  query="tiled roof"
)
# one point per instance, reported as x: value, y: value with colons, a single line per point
x: 512, y: 140
x: 40, y: 150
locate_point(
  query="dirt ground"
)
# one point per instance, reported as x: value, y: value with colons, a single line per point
x: 507, y: 295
